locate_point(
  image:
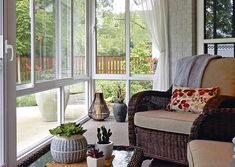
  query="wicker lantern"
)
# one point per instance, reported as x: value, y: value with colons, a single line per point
x: 98, y: 110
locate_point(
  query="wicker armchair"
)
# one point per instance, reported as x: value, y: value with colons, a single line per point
x: 217, y: 122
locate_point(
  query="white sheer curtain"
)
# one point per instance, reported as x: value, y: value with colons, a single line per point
x: 156, y: 18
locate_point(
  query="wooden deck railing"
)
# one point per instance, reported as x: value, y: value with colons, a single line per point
x: 110, y: 65
x: 105, y: 65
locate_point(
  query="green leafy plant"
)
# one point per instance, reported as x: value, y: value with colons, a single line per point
x: 68, y: 130
x: 119, y: 93
x: 47, y: 74
x: 95, y: 153
x: 103, y: 135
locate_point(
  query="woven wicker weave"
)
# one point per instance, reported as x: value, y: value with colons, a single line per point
x: 217, y: 122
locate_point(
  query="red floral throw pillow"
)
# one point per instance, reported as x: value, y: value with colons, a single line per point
x: 191, y: 99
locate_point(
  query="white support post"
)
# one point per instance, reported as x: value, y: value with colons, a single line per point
x: 60, y: 105
x: 18, y: 70
x: 32, y: 19
x: 58, y: 40
x: 90, y: 43
x: 72, y: 41
x: 127, y: 29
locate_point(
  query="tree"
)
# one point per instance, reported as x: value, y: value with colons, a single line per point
x: 22, y: 28
x: 218, y: 20
x: 45, y: 28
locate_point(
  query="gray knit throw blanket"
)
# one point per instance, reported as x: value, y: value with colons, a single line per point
x: 190, y: 70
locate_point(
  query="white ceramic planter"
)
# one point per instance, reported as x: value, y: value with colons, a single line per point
x: 69, y: 149
x: 47, y: 103
x: 95, y: 162
x: 106, y: 148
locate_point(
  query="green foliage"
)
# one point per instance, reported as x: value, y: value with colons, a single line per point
x: 47, y: 74
x: 68, y: 130
x: 110, y: 34
x: 137, y: 86
x: 77, y: 88
x: 22, y: 27
x: 79, y: 27
x: 25, y: 101
x: 141, y: 60
x: 103, y: 135
x: 119, y: 92
x: 223, y: 21
x: 45, y: 28
x: 110, y: 90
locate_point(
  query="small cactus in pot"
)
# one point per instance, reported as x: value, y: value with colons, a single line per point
x: 104, y: 144
x: 103, y: 135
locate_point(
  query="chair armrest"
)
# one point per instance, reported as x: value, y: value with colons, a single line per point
x: 218, y: 124
x: 145, y: 101
x: 220, y: 102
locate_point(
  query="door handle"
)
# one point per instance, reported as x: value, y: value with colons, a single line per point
x: 9, y: 47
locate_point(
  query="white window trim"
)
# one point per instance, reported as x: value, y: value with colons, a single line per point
x: 125, y: 77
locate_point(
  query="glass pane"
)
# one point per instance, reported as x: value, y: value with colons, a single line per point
x: 77, y: 102
x: 219, y: 19
x: 45, y: 37
x: 110, y: 28
x: 65, y: 36
x: 1, y: 88
x: 36, y: 114
x: 225, y: 50
x: 138, y: 86
x: 79, y: 37
x: 142, y: 60
x: 113, y: 91
x: 23, y: 42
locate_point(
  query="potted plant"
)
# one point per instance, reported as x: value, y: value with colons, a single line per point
x: 119, y: 107
x: 47, y: 100
x: 104, y: 144
x: 95, y: 158
x: 68, y: 145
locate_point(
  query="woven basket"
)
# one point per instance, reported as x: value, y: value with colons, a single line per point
x: 69, y: 150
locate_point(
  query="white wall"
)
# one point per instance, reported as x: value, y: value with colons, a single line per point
x: 182, y: 31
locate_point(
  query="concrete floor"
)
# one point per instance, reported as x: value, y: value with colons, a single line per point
x: 31, y: 129
x: 119, y: 131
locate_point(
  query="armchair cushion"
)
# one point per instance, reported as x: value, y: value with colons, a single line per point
x: 221, y: 73
x: 208, y: 153
x: 191, y: 99
x: 165, y: 121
